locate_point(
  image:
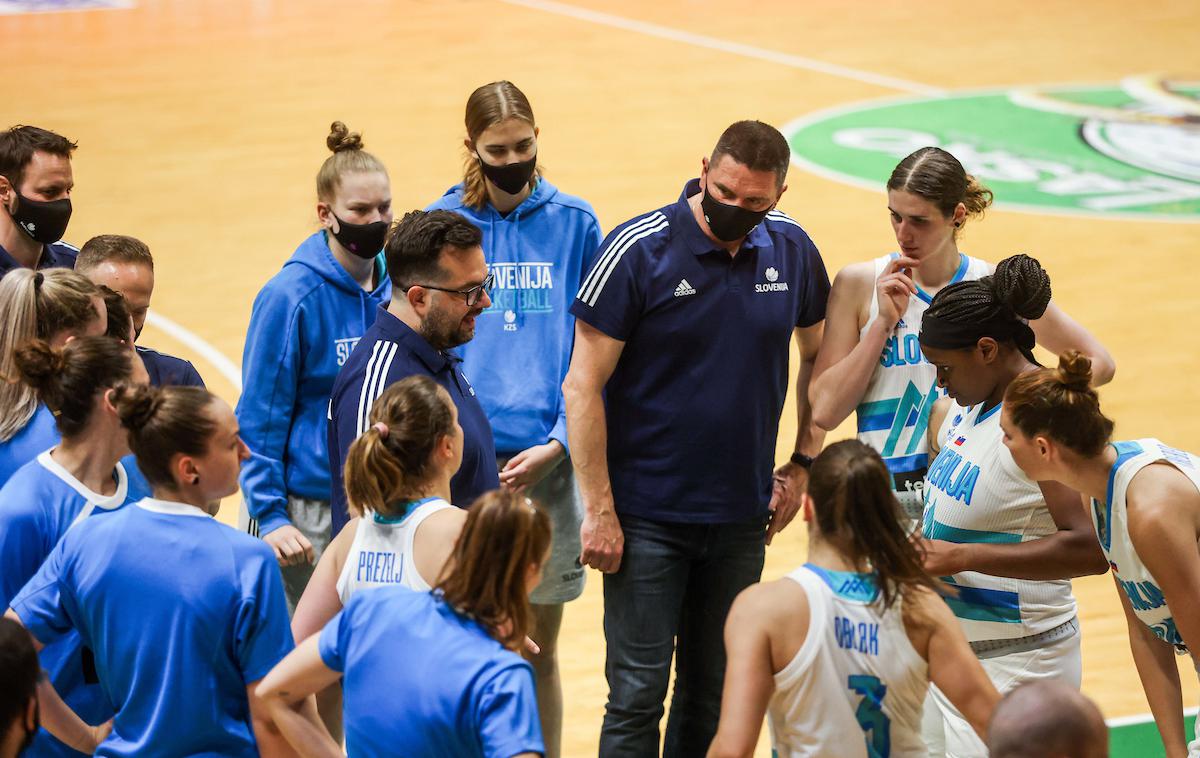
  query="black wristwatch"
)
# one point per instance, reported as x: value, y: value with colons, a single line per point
x: 802, y: 460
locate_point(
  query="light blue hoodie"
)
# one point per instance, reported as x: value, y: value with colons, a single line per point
x: 304, y: 324
x: 539, y: 253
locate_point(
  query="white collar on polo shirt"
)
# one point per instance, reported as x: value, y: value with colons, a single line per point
x: 107, y: 502
x: 171, y: 508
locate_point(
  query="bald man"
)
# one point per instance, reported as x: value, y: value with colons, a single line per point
x: 1047, y: 719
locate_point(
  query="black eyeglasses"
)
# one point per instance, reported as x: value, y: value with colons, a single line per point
x: 471, y: 295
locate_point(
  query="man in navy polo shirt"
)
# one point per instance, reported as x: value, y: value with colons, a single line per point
x: 440, y: 285
x: 35, y: 191
x: 673, y: 398
x: 124, y: 265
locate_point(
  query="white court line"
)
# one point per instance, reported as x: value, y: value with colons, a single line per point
x: 737, y: 48
x: 223, y: 365
x: 1142, y: 718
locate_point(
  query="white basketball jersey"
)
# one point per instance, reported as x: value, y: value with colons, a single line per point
x: 974, y: 492
x: 893, y: 414
x: 382, y: 551
x: 1111, y: 522
x: 856, y: 686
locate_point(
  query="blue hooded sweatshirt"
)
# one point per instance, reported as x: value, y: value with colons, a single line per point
x: 304, y: 324
x: 539, y: 252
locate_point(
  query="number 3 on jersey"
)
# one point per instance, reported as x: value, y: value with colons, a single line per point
x: 874, y: 722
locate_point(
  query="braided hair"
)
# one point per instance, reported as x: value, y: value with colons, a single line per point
x: 997, y: 306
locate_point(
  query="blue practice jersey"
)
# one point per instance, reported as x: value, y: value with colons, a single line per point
x: 421, y: 680
x: 38, y: 504
x: 182, y: 614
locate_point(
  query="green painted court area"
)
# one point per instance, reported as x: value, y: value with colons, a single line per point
x: 1140, y: 740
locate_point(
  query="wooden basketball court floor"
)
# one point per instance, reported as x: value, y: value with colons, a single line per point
x: 201, y: 127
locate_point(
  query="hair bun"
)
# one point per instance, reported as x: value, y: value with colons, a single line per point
x: 1075, y: 371
x: 136, y: 404
x: 38, y: 363
x: 341, y: 139
x: 1023, y: 285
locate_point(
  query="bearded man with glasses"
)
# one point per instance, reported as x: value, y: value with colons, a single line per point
x: 440, y: 285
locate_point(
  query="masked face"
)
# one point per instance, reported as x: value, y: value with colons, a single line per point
x: 507, y: 154
x: 729, y: 222
x: 44, y: 222
x: 736, y: 198
x: 363, y: 240
x: 360, y: 214
x: 511, y: 177
x: 41, y: 205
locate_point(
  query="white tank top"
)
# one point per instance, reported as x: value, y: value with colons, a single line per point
x: 1111, y: 522
x: 856, y: 686
x: 382, y: 551
x: 974, y: 492
x: 893, y: 414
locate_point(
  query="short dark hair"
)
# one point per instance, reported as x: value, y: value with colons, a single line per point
x: 18, y: 144
x: 414, y: 246
x: 113, y: 247
x: 757, y: 146
x: 19, y: 670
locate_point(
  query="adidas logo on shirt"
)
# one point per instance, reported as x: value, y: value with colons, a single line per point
x: 684, y: 289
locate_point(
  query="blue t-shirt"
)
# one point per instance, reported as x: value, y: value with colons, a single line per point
x: 388, y: 352
x: 182, y: 614
x: 38, y: 505
x: 694, y: 402
x: 169, y: 371
x: 56, y: 255
x: 38, y: 436
x: 421, y: 680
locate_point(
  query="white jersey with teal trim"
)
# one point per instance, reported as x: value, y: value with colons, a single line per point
x: 382, y: 551
x: 1111, y: 521
x: 974, y: 492
x: 893, y: 414
x: 856, y: 686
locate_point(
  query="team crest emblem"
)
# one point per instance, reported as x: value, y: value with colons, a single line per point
x: 771, y: 274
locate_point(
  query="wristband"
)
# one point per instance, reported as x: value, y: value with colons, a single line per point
x: 802, y: 460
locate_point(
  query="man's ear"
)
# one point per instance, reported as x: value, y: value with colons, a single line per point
x: 418, y: 299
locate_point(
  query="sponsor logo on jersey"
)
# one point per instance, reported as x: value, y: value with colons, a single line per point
x: 684, y: 289
x: 773, y: 284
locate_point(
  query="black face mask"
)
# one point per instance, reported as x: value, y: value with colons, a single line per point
x: 511, y: 177
x: 729, y: 222
x: 363, y: 240
x: 44, y: 221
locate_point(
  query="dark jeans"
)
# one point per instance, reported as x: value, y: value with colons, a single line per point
x: 671, y: 595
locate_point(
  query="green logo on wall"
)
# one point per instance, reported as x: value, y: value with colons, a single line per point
x: 1131, y: 151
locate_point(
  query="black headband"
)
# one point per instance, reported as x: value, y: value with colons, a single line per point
x: 942, y: 334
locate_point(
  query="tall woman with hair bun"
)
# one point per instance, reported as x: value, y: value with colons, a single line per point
x: 1008, y: 544
x: 1143, y: 497
x: 79, y: 477
x: 840, y: 652
x: 539, y: 243
x: 53, y: 305
x: 432, y: 673
x: 183, y: 614
x: 304, y: 323
x: 871, y: 361
x: 404, y: 527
